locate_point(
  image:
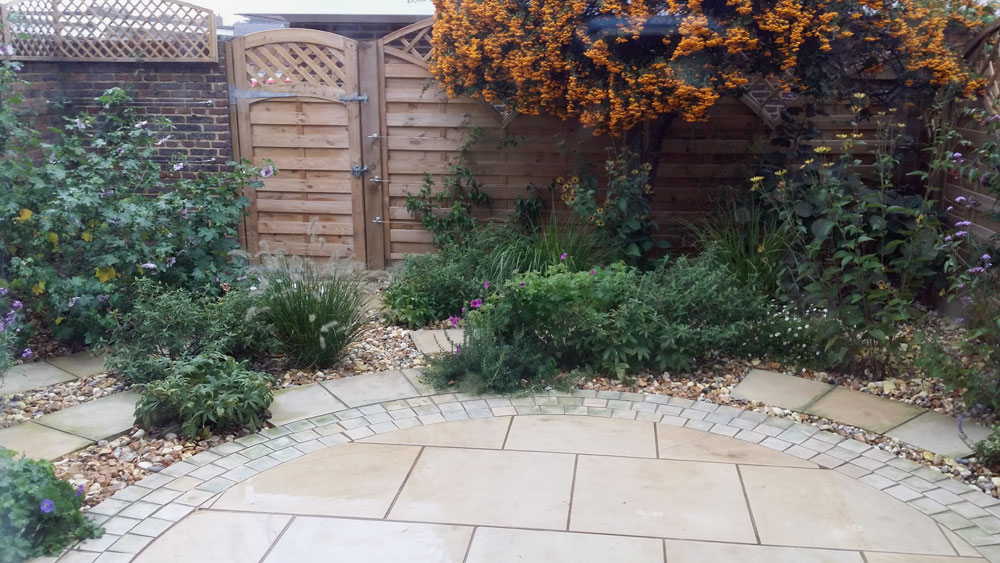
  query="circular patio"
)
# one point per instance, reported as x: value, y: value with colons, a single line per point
x: 553, y: 489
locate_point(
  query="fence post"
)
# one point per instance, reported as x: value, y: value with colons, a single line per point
x: 376, y: 221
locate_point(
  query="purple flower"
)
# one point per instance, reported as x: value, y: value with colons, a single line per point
x: 178, y: 167
x: 27, y: 354
x: 458, y: 348
x: 956, y: 155
x: 8, y: 50
x: 563, y: 257
x: 991, y: 119
x: 960, y: 199
x: 592, y: 272
x: 267, y: 172
x: 476, y: 303
x: 163, y: 140
x: 16, y: 304
x: 3, y: 291
x: 79, y: 124
x: 963, y: 223
x: 454, y: 320
x: 959, y: 320
x: 960, y: 234
x: 79, y: 489
x: 486, y: 285
x: 965, y: 300
x: 463, y: 309
x: 522, y: 284
x: 950, y: 207
x: 149, y: 266
x: 976, y: 270
x: 47, y: 506
x: 948, y: 238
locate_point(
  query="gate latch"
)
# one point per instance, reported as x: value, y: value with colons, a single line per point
x: 357, y: 170
x: 355, y: 98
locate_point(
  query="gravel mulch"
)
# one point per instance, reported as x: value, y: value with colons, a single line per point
x: 21, y: 407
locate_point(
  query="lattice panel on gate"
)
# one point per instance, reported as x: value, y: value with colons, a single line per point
x: 110, y: 30
x: 295, y: 63
x: 412, y: 43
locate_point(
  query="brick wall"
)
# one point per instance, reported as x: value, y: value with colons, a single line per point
x: 194, y: 96
x: 355, y: 30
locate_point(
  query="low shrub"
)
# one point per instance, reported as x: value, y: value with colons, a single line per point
x: 316, y: 311
x: 988, y: 450
x: 973, y: 366
x: 11, y: 337
x: 39, y: 513
x: 433, y: 287
x: 611, y: 320
x: 166, y: 325
x: 207, y: 392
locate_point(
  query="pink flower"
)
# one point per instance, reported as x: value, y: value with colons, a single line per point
x: 476, y: 303
x: 267, y: 172
x: 454, y: 320
x: 592, y: 272
x: 563, y: 257
x: 486, y: 285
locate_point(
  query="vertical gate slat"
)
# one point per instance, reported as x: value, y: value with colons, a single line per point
x: 354, y: 143
x: 368, y: 81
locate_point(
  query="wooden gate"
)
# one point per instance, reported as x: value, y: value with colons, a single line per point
x: 293, y: 95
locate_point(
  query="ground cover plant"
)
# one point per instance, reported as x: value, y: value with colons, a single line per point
x: 39, y: 513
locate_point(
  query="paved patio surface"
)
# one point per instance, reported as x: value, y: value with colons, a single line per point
x: 551, y: 489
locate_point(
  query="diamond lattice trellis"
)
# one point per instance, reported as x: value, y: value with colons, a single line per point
x: 412, y: 43
x: 110, y: 30
x: 295, y: 63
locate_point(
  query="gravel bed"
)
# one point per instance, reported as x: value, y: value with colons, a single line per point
x: 16, y: 408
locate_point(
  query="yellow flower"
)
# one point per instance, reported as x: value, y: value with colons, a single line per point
x: 821, y: 150
x: 859, y: 95
x: 24, y: 215
x: 600, y: 223
x: 920, y: 218
x: 840, y: 136
x: 600, y: 210
x: 760, y: 248
x: 87, y: 237
x: 38, y: 288
x: 53, y: 238
x: 59, y: 320
x: 781, y: 173
x: 105, y: 275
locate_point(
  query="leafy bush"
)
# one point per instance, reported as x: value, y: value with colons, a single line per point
x: 988, y: 450
x: 432, y: 287
x: 612, y: 320
x: 205, y: 392
x: 625, y: 214
x: 94, y: 214
x: 40, y: 513
x: 172, y: 325
x: 973, y: 366
x: 316, y: 311
x: 860, y: 247
x: 10, y: 333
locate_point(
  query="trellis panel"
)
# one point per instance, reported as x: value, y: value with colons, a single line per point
x: 109, y: 30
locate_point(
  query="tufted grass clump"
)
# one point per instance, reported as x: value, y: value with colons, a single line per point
x: 316, y: 310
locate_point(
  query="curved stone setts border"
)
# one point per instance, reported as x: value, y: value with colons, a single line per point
x: 138, y: 514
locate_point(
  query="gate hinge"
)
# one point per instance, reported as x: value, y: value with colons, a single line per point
x: 357, y: 170
x: 355, y: 98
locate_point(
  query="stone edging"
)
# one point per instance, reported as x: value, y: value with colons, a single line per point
x: 140, y: 513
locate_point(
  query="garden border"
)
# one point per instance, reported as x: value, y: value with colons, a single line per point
x: 137, y: 515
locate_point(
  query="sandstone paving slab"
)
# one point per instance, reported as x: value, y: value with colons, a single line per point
x: 437, y: 341
x: 864, y: 410
x: 83, y: 364
x: 418, y: 381
x: 703, y: 552
x: 371, y: 388
x: 98, y: 419
x: 501, y: 545
x: 938, y: 433
x: 32, y: 376
x: 568, y: 434
x: 871, y: 557
x: 786, y: 391
x: 298, y: 403
x: 660, y: 498
x: 487, y: 488
x: 321, y: 540
x: 825, y: 509
x: 680, y: 443
x: 346, y: 480
x: 220, y: 537
x: 37, y: 441
x: 475, y: 433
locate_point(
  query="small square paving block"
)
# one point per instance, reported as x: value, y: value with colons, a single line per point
x: 83, y: 364
x: 32, y: 376
x: 938, y: 433
x: 97, y: 419
x: 864, y: 410
x: 297, y: 403
x: 37, y: 441
x: 371, y: 388
x: 786, y: 391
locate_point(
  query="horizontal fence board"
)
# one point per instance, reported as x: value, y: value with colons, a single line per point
x: 303, y: 228
x: 308, y: 207
x: 318, y: 185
